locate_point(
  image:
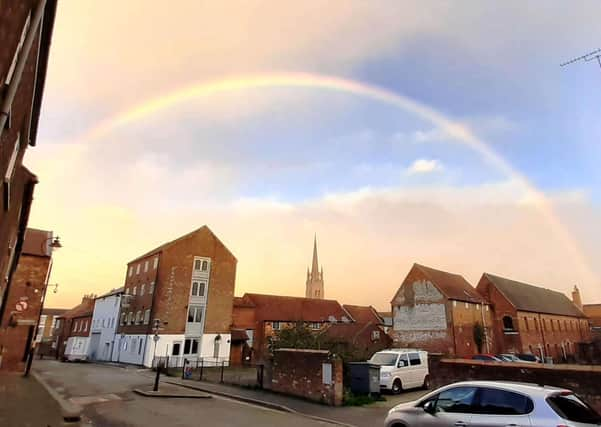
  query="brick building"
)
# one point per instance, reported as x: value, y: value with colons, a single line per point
x: 66, y: 327
x: 437, y: 311
x: 25, y: 33
x: 47, y: 323
x: 259, y: 315
x: 358, y: 340
x: 593, y: 314
x: 532, y: 319
x: 24, y: 299
x: 78, y: 340
x: 186, y: 286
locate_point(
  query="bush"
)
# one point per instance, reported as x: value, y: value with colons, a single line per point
x: 351, y: 399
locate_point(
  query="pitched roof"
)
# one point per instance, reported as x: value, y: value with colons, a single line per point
x: 54, y: 311
x: 114, y: 291
x: 37, y: 242
x: 364, y: 314
x: 349, y: 332
x: 295, y: 309
x: 85, y: 308
x: 238, y: 335
x: 453, y: 286
x: 164, y: 246
x: 243, y: 302
x: 525, y: 297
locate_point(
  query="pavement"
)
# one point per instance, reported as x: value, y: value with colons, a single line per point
x: 364, y: 416
x: 106, y: 394
x: 24, y: 402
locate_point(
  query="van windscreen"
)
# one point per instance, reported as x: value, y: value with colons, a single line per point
x: 384, y: 359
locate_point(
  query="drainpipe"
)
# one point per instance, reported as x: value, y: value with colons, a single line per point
x: 21, y: 61
x: 484, y: 326
x: 542, y: 333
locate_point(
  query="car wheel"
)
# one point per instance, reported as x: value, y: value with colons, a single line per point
x: 426, y: 385
x: 397, y: 386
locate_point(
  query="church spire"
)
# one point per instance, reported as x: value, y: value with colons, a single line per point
x: 315, y: 266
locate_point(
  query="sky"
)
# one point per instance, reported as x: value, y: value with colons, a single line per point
x: 435, y: 132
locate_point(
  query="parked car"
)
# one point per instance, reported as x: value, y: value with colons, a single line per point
x: 495, y: 403
x: 508, y: 357
x: 486, y: 357
x: 530, y: 358
x: 402, y: 369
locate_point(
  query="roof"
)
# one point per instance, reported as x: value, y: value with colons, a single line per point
x: 54, y: 311
x: 348, y: 332
x: 85, y: 308
x: 37, y: 242
x: 114, y: 291
x: 363, y: 314
x: 295, y: 309
x: 243, y: 302
x: 453, y: 286
x: 525, y: 297
x: 164, y: 246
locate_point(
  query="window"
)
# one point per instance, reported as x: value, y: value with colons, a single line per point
x: 403, y: 361
x: 194, y: 288
x: 526, y: 323
x: 85, y: 325
x: 142, y: 286
x: 155, y: 262
x: 138, y: 269
x: 501, y: 402
x: 151, y: 288
x: 190, y: 346
x: 552, y: 326
x: 536, y: 325
x: 316, y: 293
x: 195, y: 314
x: 138, y: 317
x: 123, y: 318
x: 176, y: 349
x: 414, y: 359
x: 487, y: 308
x: 375, y: 335
x: 147, y: 317
x: 133, y: 291
x: 12, y: 162
x: 130, y: 317
x: 75, y: 325
x: 130, y: 271
x: 197, y: 264
x: 457, y: 400
x: 315, y: 325
x: 507, y: 323
x: 140, y: 346
x: 146, y: 266
x: 467, y: 305
x: 559, y: 325
x: 187, y: 345
x: 275, y: 326
x: 205, y: 265
x: 572, y: 408
x: 194, y: 346
x: 454, y: 303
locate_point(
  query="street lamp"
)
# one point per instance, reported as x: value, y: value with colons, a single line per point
x: 56, y: 243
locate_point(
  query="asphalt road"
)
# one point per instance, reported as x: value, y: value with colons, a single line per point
x: 106, y: 394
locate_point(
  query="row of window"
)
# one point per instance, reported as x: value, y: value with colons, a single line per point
x: 190, y: 347
x: 105, y: 323
x: 548, y: 324
x: 469, y: 305
x: 143, y: 265
x: 134, y: 289
x: 133, y: 344
x: 80, y: 325
x: 276, y: 325
x: 137, y: 318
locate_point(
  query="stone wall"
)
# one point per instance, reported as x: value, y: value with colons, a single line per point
x: 583, y: 380
x: 304, y: 373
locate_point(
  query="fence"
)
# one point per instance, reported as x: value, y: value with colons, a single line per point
x: 212, y: 369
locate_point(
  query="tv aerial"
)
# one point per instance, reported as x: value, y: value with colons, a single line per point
x: 591, y: 56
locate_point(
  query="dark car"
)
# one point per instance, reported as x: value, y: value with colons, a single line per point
x: 486, y: 357
x: 527, y: 357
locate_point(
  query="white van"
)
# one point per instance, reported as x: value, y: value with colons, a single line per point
x: 402, y: 368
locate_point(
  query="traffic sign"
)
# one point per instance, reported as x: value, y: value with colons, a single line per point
x: 21, y: 306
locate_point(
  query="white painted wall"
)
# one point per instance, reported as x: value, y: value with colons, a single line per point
x: 77, y: 348
x: 207, y: 346
x: 105, y: 321
x: 132, y: 348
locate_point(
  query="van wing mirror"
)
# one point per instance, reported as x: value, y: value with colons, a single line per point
x: 430, y: 407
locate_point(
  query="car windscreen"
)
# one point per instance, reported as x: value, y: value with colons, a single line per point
x: 572, y: 408
x: 384, y: 359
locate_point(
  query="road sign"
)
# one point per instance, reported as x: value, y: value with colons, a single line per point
x: 21, y: 306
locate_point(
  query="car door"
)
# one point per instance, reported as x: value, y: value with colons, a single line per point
x: 402, y: 370
x: 415, y: 370
x: 453, y: 408
x: 498, y: 407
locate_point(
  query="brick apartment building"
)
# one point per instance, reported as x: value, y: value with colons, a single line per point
x: 437, y: 311
x: 186, y: 286
x: 74, y: 323
x: 25, y: 34
x: 532, y: 319
x: 259, y: 315
x: 24, y: 299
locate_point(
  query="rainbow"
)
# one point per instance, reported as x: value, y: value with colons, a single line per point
x: 456, y: 131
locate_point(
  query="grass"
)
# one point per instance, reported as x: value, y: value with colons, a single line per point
x: 351, y: 399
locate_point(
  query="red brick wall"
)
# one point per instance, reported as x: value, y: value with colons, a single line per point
x: 27, y: 286
x: 299, y: 373
x: 465, y: 317
x: 82, y: 331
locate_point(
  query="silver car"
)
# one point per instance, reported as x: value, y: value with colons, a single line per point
x: 495, y: 403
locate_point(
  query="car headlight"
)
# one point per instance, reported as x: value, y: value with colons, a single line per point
x: 385, y: 374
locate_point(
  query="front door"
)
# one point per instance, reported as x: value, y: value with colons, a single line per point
x: 94, y: 343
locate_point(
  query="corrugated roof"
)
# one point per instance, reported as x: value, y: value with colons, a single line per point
x: 172, y: 242
x: 295, y: 309
x: 453, y: 286
x: 363, y: 313
x: 36, y: 242
x: 525, y: 297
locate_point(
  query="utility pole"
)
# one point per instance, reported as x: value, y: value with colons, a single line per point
x: 591, y: 56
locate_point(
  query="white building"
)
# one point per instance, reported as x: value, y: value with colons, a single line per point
x: 104, y: 344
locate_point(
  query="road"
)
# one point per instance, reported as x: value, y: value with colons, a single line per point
x: 106, y: 394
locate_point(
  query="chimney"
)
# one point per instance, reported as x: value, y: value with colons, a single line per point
x: 576, y: 297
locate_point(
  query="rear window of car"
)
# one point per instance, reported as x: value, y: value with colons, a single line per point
x: 503, y: 402
x: 572, y: 408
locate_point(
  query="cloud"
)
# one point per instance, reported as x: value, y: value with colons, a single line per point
x: 424, y: 166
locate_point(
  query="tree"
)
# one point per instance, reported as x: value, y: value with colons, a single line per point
x: 297, y: 336
x: 479, y: 336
